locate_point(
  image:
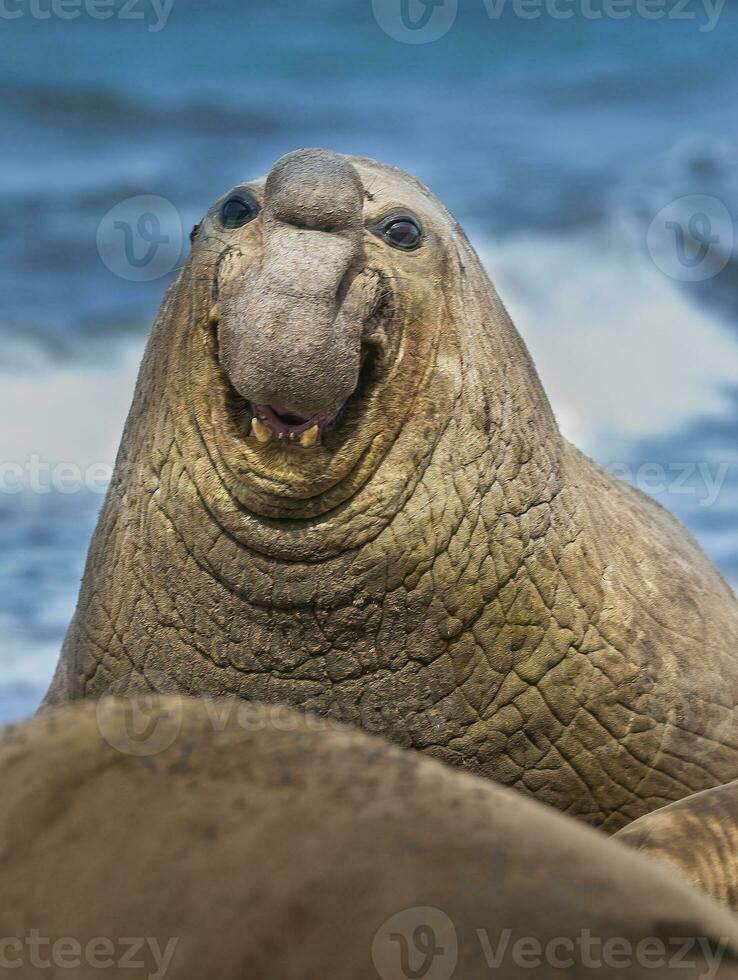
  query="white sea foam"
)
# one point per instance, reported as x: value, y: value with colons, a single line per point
x: 620, y: 348
x: 67, y: 413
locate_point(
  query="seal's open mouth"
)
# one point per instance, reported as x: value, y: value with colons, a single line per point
x: 286, y: 425
x: 271, y: 421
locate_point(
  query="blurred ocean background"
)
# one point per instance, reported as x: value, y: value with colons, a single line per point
x: 555, y: 142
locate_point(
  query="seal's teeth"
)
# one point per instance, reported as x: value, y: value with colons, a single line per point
x: 310, y: 436
x: 262, y: 433
x: 293, y: 436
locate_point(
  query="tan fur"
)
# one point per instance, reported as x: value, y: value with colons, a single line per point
x: 445, y: 570
x: 276, y: 846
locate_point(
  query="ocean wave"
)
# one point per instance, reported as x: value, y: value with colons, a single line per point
x: 76, y: 414
x: 612, y: 336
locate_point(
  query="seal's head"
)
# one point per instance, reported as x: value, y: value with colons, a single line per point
x: 331, y: 293
x: 325, y: 303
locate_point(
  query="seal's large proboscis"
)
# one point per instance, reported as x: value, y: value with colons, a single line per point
x: 251, y: 841
x: 341, y: 486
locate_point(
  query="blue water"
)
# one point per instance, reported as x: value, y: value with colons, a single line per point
x: 554, y: 142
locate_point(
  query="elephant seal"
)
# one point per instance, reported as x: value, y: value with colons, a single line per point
x: 341, y: 487
x: 245, y: 840
x: 698, y: 836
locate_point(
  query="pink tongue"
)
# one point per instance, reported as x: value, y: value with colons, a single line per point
x: 280, y: 420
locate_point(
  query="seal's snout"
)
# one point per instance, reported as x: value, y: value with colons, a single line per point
x: 315, y: 189
x: 290, y: 337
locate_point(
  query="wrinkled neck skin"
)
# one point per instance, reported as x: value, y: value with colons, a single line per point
x: 439, y: 412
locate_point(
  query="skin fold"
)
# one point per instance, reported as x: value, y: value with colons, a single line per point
x: 441, y: 567
x: 699, y: 837
x: 250, y: 841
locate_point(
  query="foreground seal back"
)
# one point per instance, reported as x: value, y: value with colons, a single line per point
x: 341, y: 486
x: 249, y: 841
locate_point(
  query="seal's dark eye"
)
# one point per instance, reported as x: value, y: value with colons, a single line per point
x: 238, y: 210
x: 400, y: 230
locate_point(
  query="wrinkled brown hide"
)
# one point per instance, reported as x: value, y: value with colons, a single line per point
x: 443, y: 569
